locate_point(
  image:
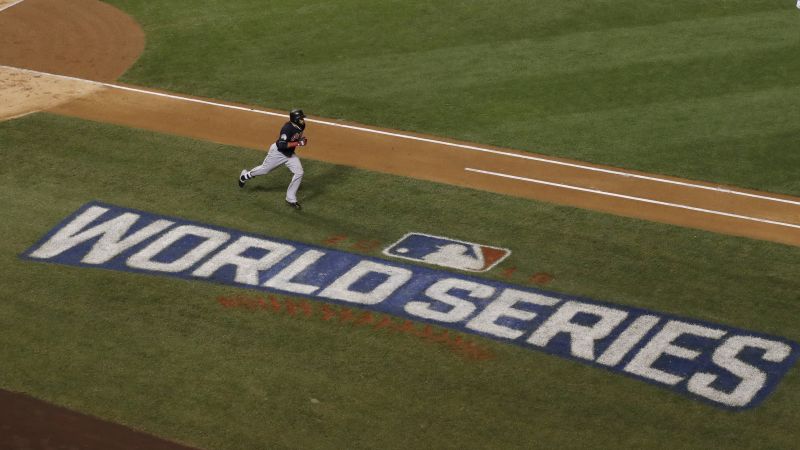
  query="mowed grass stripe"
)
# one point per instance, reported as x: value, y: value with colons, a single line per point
x: 671, y: 43
x: 677, y: 132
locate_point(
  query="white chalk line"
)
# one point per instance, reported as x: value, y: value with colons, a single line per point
x: 5, y: 7
x: 427, y: 140
x: 628, y: 197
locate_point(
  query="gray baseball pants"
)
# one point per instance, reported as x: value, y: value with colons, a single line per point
x: 274, y: 159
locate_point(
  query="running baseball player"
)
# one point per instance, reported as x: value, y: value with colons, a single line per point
x: 282, y: 152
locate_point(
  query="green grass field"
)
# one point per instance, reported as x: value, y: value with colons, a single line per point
x: 695, y: 88
x: 698, y: 89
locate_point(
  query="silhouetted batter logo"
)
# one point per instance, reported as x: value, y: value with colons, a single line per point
x: 447, y: 252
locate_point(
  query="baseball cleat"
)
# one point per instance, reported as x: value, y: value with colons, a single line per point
x: 242, y: 181
x: 294, y: 205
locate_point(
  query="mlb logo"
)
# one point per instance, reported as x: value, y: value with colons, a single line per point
x: 447, y: 252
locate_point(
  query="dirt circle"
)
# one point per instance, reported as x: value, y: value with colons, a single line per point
x: 84, y: 39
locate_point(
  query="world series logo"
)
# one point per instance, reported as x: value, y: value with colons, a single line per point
x: 724, y: 366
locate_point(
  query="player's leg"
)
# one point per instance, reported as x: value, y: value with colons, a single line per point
x: 273, y: 159
x: 296, y: 167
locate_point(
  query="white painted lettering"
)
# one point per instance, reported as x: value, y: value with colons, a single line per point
x: 247, y: 269
x: 111, y: 231
x: 144, y: 258
x: 662, y: 344
x: 460, y: 308
x: 283, y: 279
x: 582, y: 337
x: 627, y: 340
x: 753, y: 379
x: 341, y: 288
x: 503, y: 306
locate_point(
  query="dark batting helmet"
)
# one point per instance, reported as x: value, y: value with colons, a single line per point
x: 297, y: 117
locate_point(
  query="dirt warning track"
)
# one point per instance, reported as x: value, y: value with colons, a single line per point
x: 633, y: 194
x: 27, y: 423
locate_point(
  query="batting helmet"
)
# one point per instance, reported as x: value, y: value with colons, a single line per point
x: 297, y: 117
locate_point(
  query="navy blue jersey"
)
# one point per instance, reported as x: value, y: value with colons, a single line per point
x: 289, y: 133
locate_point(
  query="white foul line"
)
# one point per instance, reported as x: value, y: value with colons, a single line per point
x: 3, y: 8
x: 562, y: 163
x: 628, y: 197
x: 420, y: 139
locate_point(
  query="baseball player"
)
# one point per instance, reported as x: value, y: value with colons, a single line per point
x: 282, y: 152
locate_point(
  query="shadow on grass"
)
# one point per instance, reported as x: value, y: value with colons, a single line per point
x: 317, y: 183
